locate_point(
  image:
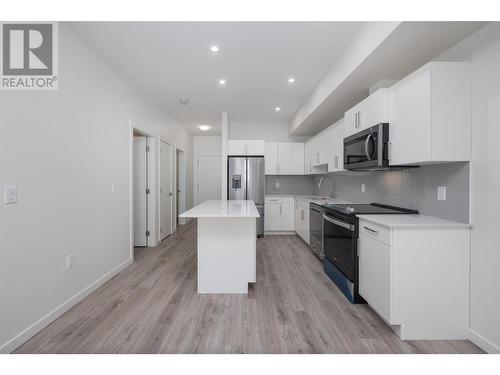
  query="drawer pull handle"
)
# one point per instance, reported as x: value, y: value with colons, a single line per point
x: 371, y: 230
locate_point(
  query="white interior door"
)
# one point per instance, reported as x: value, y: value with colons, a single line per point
x: 140, y: 171
x: 165, y: 190
x: 208, y: 172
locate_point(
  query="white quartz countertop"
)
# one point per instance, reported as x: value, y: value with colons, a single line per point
x: 408, y: 221
x: 312, y: 198
x: 220, y: 208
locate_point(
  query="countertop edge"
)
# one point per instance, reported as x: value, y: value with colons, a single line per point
x: 444, y: 224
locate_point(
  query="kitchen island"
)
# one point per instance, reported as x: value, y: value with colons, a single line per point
x: 227, y: 241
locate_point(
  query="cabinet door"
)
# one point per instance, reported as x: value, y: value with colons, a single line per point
x: 285, y: 158
x: 287, y: 213
x: 336, y: 162
x: 236, y: 147
x: 255, y: 147
x: 297, y: 158
x: 298, y: 221
x: 350, y: 118
x: 308, y: 157
x: 375, y: 275
x: 373, y: 110
x: 272, y: 217
x: 271, y: 158
x: 305, y: 222
x: 410, y: 113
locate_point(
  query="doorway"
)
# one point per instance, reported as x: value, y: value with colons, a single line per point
x: 181, y: 186
x: 140, y: 189
x: 142, y: 174
x: 208, y: 177
x: 166, y: 194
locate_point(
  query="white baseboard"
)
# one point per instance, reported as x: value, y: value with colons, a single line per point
x: 36, y: 327
x: 280, y: 233
x: 483, y: 343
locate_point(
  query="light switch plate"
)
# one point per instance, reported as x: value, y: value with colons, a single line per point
x: 441, y: 193
x: 363, y: 188
x: 277, y: 185
x: 70, y: 261
x: 113, y: 188
x: 10, y: 194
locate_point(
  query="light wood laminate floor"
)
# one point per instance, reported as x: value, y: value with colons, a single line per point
x: 153, y: 307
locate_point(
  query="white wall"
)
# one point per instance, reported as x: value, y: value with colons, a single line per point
x: 63, y: 149
x: 270, y: 132
x: 204, y: 145
x: 482, y: 49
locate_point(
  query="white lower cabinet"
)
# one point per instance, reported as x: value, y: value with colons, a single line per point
x: 375, y: 275
x: 416, y: 277
x: 302, y: 219
x: 279, y: 214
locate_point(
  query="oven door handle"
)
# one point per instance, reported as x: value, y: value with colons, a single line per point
x: 339, y: 223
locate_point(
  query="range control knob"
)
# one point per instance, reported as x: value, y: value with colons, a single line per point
x: 350, y: 209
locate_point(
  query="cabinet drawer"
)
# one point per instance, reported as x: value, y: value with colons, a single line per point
x: 273, y: 200
x: 375, y: 231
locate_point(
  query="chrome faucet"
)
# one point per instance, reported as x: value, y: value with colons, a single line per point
x: 332, y: 195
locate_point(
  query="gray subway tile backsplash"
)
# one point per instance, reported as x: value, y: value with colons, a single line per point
x: 412, y: 188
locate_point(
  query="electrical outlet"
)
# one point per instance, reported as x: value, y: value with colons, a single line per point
x: 70, y: 261
x: 277, y: 185
x: 363, y: 188
x: 441, y: 193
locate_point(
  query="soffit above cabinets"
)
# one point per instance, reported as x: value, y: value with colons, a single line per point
x: 381, y: 50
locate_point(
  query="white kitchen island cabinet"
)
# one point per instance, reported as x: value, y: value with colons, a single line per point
x: 227, y: 241
x: 414, y: 272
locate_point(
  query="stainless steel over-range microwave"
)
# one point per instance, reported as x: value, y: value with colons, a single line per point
x: 368, y: 149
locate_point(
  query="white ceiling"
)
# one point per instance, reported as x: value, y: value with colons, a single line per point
x: 170, y: 60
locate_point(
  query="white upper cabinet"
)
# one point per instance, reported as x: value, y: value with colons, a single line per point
x: 325, y: 151
x: 246, y: 147
x: 271, y: 158
x: 430, y: 115
x: 284, y: 158
x: 371, y: 111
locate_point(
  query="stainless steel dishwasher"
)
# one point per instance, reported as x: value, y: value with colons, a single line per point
x: 316, y: 229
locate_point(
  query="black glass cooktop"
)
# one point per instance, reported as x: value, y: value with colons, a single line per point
x: 373, y: 208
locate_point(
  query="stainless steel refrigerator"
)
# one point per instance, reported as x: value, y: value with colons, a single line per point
x: 246, y: 179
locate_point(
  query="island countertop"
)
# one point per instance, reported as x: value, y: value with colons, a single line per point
x: 223, y: 208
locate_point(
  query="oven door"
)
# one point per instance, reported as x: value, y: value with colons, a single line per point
x: 367, y: 149
x: 339, y: 245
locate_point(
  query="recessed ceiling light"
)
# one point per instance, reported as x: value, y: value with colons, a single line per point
x: 214, y: 48
x: 291, y: 80
x: 204, y: 127
x: 277, y: 109
x: 184, y: 101
x: 222, y: 82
